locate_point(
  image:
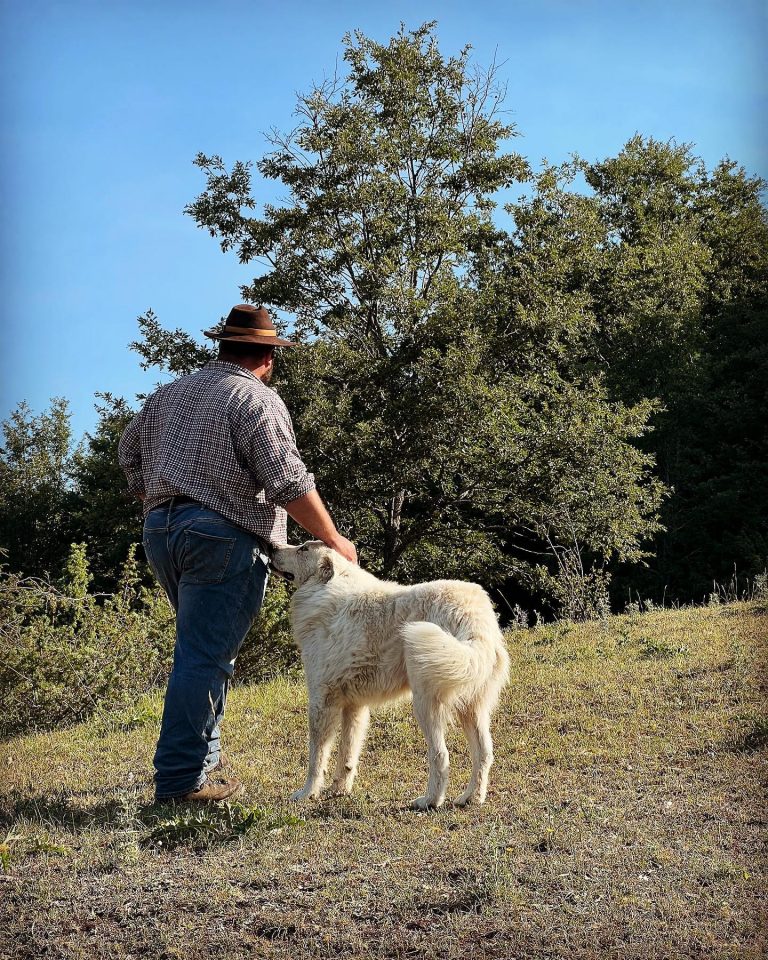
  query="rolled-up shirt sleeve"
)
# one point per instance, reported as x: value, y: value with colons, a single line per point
x: 271, y: 454
x: 129, y: 455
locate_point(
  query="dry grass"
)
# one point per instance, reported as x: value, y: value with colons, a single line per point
x: 626, y: 819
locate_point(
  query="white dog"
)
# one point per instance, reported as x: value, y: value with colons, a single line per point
x: 365, y: 641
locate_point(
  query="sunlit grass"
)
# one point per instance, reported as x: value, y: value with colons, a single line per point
x: 625, y: 819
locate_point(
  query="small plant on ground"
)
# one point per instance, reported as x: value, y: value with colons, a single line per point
x: 215, y: 824
x: 656, y: 648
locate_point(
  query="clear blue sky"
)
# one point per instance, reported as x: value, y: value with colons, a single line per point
x: 105, y: 104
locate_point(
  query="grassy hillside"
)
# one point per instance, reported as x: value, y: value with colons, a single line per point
x: 626, y: 819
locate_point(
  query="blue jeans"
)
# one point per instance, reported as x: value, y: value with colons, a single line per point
x: 215, y: 574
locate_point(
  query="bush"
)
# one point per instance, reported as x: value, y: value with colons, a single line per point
x: 268, y: 650
x: 65, y: 653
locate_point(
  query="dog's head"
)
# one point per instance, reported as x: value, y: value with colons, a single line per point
x: 311, y: 560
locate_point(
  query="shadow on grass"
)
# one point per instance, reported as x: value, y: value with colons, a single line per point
x: 63, y: 811
x: 157, y: 825
x: 60, y: 812
x: 754, y: 738
x: 335, y: 808
x: 750, y: 739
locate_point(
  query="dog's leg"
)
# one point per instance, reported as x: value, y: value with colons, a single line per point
x: 323, y: 725
x: 477, y: 729
x: 354, y: 725
x: 430, y: 717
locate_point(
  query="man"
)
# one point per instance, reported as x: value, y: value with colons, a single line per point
x: 213, y: 458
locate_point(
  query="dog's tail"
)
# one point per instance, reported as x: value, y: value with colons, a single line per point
x: 451, y: 669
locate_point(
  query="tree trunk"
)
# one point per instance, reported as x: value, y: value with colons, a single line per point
x: 392, y: 532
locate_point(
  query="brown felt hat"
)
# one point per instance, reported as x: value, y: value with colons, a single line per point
x: 247, y: 324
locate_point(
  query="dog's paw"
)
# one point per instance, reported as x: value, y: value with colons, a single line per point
x: 337, y: 789
x: 298, y: 795
x: 424, y: 803
x: 474, y: 799
x: 467, y: 799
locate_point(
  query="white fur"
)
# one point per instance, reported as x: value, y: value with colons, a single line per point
x: 365, y: 641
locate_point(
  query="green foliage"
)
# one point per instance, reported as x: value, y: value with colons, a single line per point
x: 390, y: 172
x: 35, y: 488
x: 574, y: 405
x: 427, y: 427
x: 52, y: 493
x: 653, y: 648
x: 104, y: 515
x: 577, y: 493
x: 656, y: 279
x: 268, y: 650
x: 174, y: 351
x: 401, y: 447
x: 66, y: 653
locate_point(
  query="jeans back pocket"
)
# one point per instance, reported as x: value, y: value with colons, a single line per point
x: 206, y: 557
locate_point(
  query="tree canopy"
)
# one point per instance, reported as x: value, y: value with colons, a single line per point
x: 431, y: 432
x: 543, y: 398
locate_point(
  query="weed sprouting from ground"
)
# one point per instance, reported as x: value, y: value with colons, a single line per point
x: 653, y: 648
x: 201, y: 827
x: 17, y: 845
x: 754, y: 737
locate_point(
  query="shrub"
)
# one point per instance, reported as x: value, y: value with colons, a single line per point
x: 65, y: 653
x: 268, y: 650
x: 575, y: 591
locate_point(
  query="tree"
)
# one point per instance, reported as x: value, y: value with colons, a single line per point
x: 683, y: 303
x: 423, y: 425
x: 580, y: 496
x: 391, y: 172
x: 36, y: 488
x: 106, y: 518
x: 654, y: 278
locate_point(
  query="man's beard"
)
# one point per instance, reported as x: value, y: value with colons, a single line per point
x: 266, y: 376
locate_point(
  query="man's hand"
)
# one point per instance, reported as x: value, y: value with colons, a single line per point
x: 309, y: 511
x: 343, y: 546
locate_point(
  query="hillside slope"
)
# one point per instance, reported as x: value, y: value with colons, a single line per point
x: 626, y: 818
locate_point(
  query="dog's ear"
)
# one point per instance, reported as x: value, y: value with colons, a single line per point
x: 325, y: 568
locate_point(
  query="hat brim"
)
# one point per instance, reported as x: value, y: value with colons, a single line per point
x: 256, y: 339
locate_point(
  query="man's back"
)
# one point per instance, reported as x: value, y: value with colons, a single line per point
x: 223, y: 438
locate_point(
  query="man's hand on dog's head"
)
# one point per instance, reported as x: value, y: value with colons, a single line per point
x: 343, y: 546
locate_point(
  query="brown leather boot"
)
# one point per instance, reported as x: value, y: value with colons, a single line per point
x: 213, y: 790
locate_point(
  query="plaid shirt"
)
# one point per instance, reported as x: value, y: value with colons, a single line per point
x: 221, y: 437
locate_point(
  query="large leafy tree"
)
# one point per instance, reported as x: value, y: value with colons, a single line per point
x: 651, y: 273
x: 391, y: 172
x: 682, y: 305
x: 429, y: 428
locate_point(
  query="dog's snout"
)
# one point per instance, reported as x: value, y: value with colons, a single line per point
x: 281, y: 573
x: 272, y: 549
